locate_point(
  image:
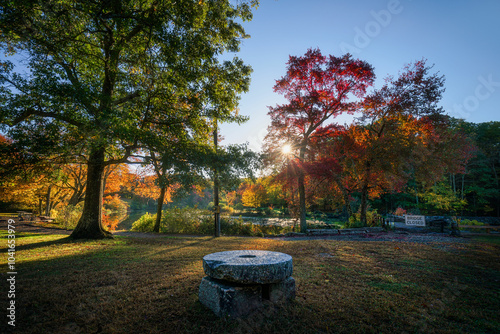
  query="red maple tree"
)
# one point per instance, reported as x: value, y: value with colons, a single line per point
x: 318, y: 88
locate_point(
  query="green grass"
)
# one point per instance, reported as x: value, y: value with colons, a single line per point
x: 134, y: 285
x: 491, y: 239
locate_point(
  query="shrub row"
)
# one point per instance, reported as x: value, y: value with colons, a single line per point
x: 195, y: 221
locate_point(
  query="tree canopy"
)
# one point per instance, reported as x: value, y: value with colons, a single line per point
x: 317, y: 88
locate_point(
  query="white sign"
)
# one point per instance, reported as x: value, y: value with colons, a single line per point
x: 415, y: 220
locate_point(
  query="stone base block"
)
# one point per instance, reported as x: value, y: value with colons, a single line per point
x: 281, y: 292
x: 228, y: 299
x: 237, y: 300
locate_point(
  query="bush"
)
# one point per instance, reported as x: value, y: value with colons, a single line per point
x: 235, y: 226
x: 69, y: 216
x: 400, y: 212
x: 372, y: 219
x: 226, y: 209
x: 144, y: 224
x: 470, y: 222
x: 354, y: 222
x: 177, y: 221
x: 195, y: 221
x: 186, y: 220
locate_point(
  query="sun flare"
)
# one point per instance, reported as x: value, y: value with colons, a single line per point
x: 286, y: 149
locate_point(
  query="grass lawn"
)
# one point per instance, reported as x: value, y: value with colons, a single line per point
x: 133, y: 285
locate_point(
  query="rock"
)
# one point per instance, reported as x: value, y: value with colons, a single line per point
x: 248, y: 266
x: 352, y: 231
x: 295, y: 234
x: 374, y: 229
x: 323, y: 231
x: 238, y: 282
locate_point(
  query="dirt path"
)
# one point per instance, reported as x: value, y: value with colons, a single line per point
x: 28, y: 227
x: 395, y: 236
x: 32, y: 227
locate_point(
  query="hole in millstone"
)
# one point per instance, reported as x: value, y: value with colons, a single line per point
x: 247, y: 256
x: 266, y: 290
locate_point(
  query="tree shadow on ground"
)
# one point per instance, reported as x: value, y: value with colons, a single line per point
x: 65, y: 240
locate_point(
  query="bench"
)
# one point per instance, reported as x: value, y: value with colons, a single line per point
x: 45, y: 219
x: 23, y: 215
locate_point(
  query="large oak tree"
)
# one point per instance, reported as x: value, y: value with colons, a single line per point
x: 100, y: 75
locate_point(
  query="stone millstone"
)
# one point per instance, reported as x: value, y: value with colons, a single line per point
x: 248, y: 266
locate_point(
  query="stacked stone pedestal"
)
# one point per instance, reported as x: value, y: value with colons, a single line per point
x: 238, y: 282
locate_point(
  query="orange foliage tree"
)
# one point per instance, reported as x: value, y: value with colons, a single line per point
x: 254, y: 195
x: 402, y: 133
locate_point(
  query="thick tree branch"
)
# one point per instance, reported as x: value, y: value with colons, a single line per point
x: 76, y: 83
x: 127, y: 98
x: 31, y: 111
x: 124, y: 159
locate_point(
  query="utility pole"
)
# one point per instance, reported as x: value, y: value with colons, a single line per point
x: 216, y: 188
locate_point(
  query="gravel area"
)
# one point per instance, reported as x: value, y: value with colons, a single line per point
x: 395, y: 236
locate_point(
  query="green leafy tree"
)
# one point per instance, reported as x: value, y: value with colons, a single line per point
x: 481, y: 185
x: 103, y: 74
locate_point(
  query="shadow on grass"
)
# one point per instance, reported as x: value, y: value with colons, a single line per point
x: 65, y: 240
x: 191, y: 244
x: 491, y: 239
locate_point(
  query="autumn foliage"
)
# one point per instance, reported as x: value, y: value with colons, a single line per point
x: 400, y: 133
x: 317, y: 88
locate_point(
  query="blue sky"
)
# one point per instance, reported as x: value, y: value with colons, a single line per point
x: 461, y: 38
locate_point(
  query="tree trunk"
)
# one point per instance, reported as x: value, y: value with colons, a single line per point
x: 75, y: 199
x: 216, y: 208
x: 302, y: 192
x: 216, y: 189
x: 47, y: 202
x: 159, y: 208
x: 364, y: 193
x: 90, y: 224
x: 40, y: 202
x: 345, y: 194
x: 463, y: 185
x: 364, y: 204
x: 302, y: 202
